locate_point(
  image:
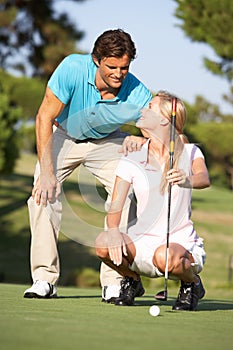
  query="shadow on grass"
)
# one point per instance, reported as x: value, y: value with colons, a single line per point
x: 149, y: 300
x: 214, y: 305
x: 15, y: 190
x: 204, y: 305
x: 78, y: 297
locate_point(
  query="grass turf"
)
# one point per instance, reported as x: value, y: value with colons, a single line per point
x: 78, y: 320
x: 212, y: 216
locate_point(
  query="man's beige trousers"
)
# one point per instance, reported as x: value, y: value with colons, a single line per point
x: 100, y: 158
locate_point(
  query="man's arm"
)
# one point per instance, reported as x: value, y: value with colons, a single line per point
x: 47, y: 185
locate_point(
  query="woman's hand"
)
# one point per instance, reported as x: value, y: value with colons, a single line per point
x: 116, y: 246
x: 132, y: 144
x: 177, y: 177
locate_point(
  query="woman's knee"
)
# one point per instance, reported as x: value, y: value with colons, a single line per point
x: 159, y: 259
x: 101, y: 245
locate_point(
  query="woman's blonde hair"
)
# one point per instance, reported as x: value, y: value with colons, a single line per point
x: 165, y: 104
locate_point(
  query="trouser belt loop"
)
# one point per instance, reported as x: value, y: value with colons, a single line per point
x: 85, y: 140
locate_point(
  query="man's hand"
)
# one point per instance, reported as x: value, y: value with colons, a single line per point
x: 116, y: 246
x: 46, y: 188
x: 132, y: 144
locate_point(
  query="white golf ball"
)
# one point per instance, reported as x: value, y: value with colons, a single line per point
x: 154, y: 310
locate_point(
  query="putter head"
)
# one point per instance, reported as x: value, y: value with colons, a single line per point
x: 161, y: 295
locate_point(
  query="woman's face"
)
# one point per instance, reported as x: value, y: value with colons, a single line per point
x: 150, y: 117
x: 154, y: 104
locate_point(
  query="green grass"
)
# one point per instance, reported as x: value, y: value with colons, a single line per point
x: 212, y: 215
x: 78, y: 320
x: 215, y: 199
x: 15, y: 234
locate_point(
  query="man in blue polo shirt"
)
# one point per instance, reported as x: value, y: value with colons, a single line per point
x: 87, y: 99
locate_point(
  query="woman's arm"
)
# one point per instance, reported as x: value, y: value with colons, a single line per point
x: 200, y: 176
x: 198, y: 180
x: 120, y: 192
x: 116, y: 243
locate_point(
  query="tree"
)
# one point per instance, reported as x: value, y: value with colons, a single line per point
x: 9, y: 117
x: 33, y: 38
x: 205, y: 111
x: 217, y: 142
x: 211, y: 22
x: 33, y: 41
x: 24, y: 92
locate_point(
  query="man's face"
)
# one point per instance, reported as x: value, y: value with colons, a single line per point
x: 112, y: 70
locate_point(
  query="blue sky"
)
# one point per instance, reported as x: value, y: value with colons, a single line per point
x: 166, y: 58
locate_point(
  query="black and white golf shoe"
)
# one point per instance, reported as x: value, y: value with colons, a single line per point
x: 41, y: 290
x: 110, y: 293
x: 130, y: 289
x: 189, y: 295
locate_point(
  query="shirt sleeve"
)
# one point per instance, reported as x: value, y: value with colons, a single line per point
x: 196, y: 153
x: 62, y: 80
x: 129, y: 166
x: 124, y: 169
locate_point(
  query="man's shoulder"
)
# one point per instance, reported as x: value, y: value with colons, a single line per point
x: 133, y: 89
x: 76, y: 58
x: 133, y: 80
x: 75, y: 66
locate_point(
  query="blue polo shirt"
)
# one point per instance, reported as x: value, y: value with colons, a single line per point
x: 86, y: 114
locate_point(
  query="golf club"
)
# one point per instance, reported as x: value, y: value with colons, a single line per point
x: 163, y: 294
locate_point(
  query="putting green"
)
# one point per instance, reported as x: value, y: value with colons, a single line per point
x: 78, y: 320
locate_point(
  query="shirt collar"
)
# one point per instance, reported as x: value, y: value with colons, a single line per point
x: 91, y: 80
x: 91, y: 73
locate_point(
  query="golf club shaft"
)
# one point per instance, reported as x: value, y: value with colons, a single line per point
x: 171, y: 155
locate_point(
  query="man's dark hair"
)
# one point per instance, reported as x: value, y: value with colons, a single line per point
x: 114, y: 43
